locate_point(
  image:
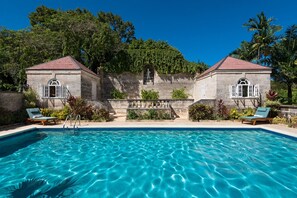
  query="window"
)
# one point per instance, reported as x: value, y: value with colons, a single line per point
x: 148, y: 75
x: 54, y: 89
x: 244, y: 89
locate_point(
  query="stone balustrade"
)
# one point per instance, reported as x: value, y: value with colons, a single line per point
x: 148, y: 104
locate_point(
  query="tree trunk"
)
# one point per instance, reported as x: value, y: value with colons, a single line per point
x: 289, y: 93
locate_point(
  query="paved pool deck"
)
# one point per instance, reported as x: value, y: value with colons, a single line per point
x: 178, y: 123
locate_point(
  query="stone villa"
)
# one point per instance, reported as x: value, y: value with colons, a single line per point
x: 236, y: 82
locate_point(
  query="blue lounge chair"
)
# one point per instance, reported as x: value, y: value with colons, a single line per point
x: 36, y: 116
x: 260, y: 115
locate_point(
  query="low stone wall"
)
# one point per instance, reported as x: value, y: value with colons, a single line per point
x: 11, y: 101
x: 288, y: 110
x: 180, y: 107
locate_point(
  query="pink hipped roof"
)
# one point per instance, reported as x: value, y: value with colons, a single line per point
x: 230, y: 63
x: 65, y: 63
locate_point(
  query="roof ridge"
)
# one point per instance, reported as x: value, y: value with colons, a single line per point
x: 75, y: 62
x: 222, y: 61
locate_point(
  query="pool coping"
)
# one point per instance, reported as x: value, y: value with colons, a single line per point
x: 279, y: 129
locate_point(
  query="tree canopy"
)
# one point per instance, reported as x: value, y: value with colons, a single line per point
x: 277, y: 52
x: 103, y: 41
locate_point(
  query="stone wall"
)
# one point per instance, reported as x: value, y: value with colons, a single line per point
x: 288, y: 110
x: 205, y: 88
x: 224, y: 80
x: 132, y: 84
x: 90, y: 87
x: 71, y: 79
x: 180, y: 107
x: 217, y: 86
x: 11, y: 101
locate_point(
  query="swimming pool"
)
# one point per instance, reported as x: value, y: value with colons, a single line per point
x: 153, y: 162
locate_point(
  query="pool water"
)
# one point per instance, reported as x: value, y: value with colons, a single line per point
x: 149, y: 163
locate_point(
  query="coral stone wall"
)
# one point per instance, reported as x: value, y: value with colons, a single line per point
x: 132, y: 84
x: 217, y: 86
x: 224, y: 80
x: 71, y: 79
x: 90, y: 87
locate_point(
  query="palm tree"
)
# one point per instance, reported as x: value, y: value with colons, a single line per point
x: 244, y: 52
x: 284, y: 60
x: 264, y: 35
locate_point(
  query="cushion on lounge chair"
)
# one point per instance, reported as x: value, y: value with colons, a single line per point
x: 37, y: 116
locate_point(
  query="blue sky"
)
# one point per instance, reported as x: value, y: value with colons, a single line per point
x: 205, y: 30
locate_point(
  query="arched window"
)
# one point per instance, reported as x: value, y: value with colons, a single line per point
x: 243, y: 81
x: 148, y: 75
x: 243, y: 87
x: 53, y: 89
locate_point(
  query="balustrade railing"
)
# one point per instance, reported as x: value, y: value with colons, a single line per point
x: 148, y: 104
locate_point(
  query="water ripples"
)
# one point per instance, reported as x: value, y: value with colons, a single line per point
x: 157, y: 163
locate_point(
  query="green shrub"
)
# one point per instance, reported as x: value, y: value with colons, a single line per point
x: 61, y: 113
x: 149, y: 94
x: 117, y: 94
x: 47, y: 111
x: 151, y: 114
x: 234, y: 114
x: 279, y: 120
x: 9, y: 117
x: 248, y: 112
x: 132, y: 115
x: 275, y: 107
x: 31, y: 98
x: 293, y: 122
x: 100, y: 115
x: 179, y: 94
x: 199, y: 112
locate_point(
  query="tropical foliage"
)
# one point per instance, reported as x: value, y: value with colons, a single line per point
x: 277, y: 52
x: 284, y: 60
x: 104, y: 42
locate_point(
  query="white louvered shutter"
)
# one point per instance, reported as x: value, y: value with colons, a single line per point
x: 232, y: 91
x: 257, y: 90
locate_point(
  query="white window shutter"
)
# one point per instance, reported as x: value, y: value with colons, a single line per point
x: 257, y: 90
x: 58, y: 93
x: 250, y: 91
x: 64, y: 91
x: 239, y: 90
x: 45, y: 91
x: 232, y: 91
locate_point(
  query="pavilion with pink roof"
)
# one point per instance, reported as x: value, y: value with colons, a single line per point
x: 55, y: 80
x: 235, y: 81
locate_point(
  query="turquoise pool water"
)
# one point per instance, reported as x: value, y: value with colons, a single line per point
x: 149, y: 163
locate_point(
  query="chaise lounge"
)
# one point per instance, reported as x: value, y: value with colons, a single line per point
x: 36, y: 116
x: 260, y: 115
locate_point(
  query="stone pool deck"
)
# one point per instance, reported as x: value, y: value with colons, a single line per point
x: 179, y: 122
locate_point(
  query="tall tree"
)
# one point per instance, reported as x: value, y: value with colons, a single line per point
x: 125, y: 30
x: 244, y: 52
x: 284, y: 60
x: 264, y: 35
